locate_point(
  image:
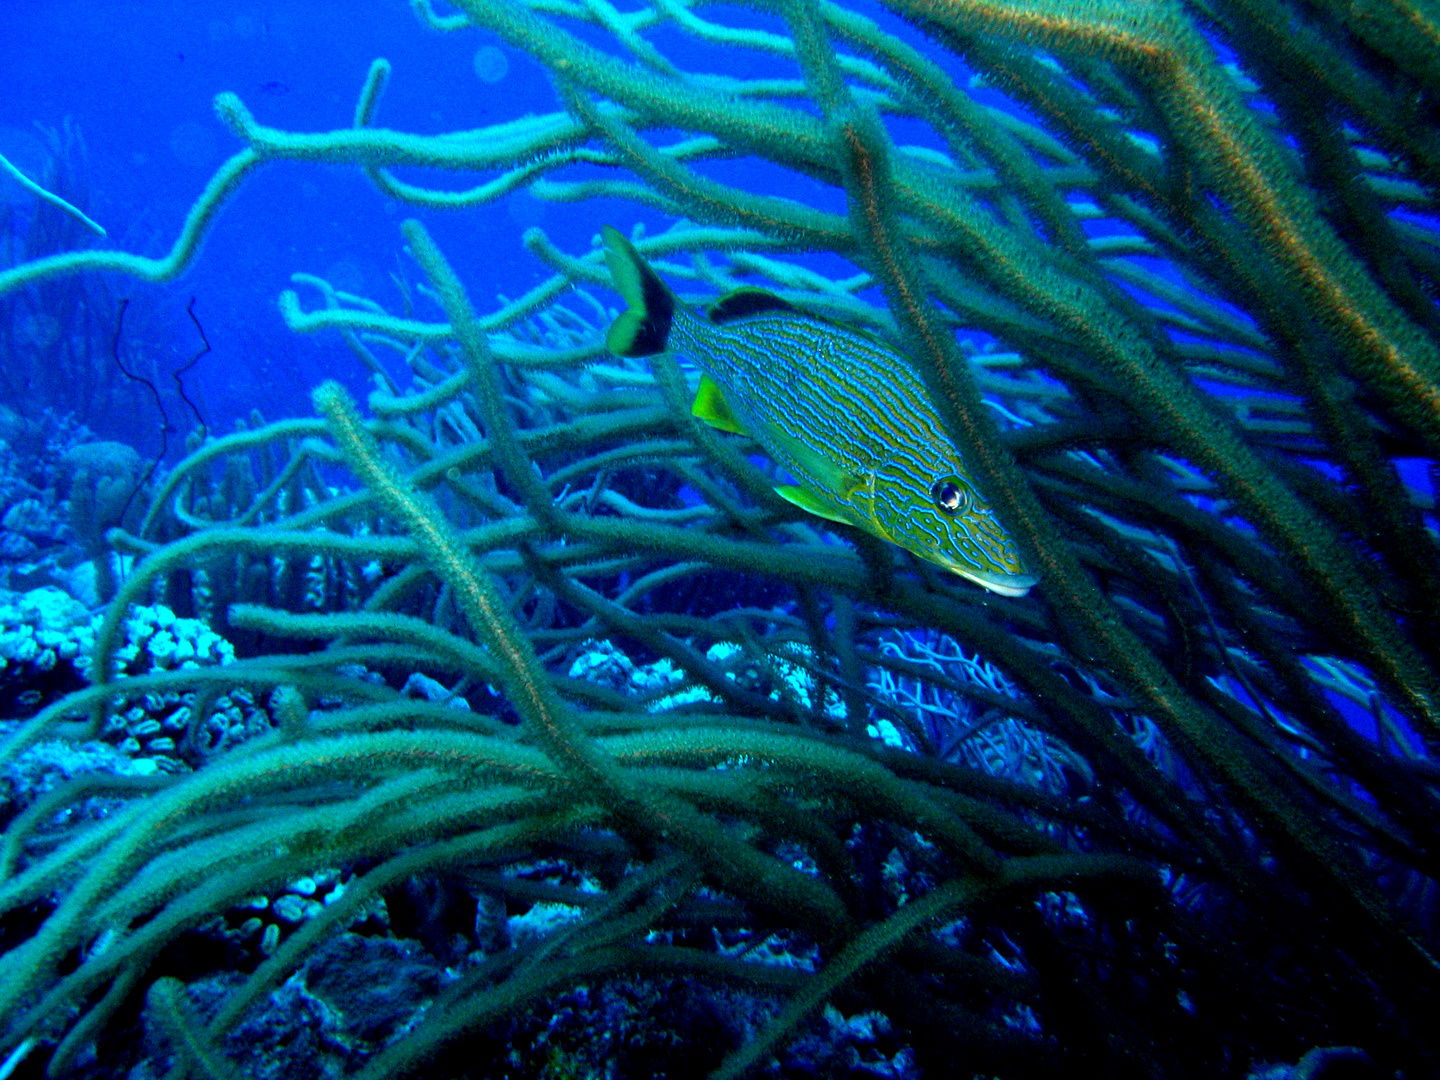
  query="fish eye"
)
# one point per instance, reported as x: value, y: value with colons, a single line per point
x: 951, y: 495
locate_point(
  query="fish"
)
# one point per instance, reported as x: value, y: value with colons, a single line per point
x: 841, y: 411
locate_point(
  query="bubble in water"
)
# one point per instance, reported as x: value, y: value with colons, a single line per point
x: 490, y: 64
x: 38, y: 330
x: 193, y: 144
x: 525, y: 209
x: 346, y: 275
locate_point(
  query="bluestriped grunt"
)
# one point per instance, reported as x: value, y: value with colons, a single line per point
x: 841, y: 411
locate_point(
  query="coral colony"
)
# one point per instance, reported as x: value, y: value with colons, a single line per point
x: 512, y: 724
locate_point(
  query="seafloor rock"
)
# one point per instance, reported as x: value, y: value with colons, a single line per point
x: 47, y: 764
x: 165, y: 727
x: 257, y: 926
x: 348, y: 999
x: 156, y: 639
x: 670, y: 1028
x: 82, y: 582
x: 46, y: 641
x: 41, y: 619
x: 44, y: 635
x: 35, y: 535
x: 46, y: 644
x: 32, y: 519
x: 358, y: 993
x: 781, y: 676
x: 1324, y: 1063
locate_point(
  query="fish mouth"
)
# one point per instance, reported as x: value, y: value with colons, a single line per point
x: 1004, y: 584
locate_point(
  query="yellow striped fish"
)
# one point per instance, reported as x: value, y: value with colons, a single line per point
x: 841, y: 411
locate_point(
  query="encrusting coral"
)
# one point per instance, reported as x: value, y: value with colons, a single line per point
x: 1208, y: 294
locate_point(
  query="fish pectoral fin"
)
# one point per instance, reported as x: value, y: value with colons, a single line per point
x: 710, y: 406
x: 853, y: 484
x: 831, y: 475
x: 812, y: 503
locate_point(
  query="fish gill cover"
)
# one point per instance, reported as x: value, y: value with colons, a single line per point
x: 511, y: 724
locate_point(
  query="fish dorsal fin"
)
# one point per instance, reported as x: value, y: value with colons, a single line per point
x: 710, y: 406
x: 744, y: 301
x: 812, y: 503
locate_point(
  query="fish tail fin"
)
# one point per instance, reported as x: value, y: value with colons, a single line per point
x: 644, y: 327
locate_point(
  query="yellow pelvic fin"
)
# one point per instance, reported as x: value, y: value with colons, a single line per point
x: 710, y: 406
x: 812, y: 503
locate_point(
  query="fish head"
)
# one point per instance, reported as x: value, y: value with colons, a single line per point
x: 940, y: 515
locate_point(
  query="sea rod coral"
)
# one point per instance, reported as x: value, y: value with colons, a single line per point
x: 1168, y: 272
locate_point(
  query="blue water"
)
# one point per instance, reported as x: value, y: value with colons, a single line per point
x: 138, y: 80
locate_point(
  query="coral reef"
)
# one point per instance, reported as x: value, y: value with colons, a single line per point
x: 1173, y: 813
x: 40, y: 463
x: 45, y: 639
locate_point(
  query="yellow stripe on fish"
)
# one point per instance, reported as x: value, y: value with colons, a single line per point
x: 841, y: 411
